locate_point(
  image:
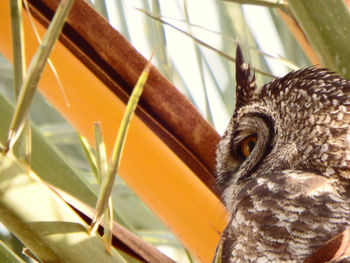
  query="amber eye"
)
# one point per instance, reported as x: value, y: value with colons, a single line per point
x: 247, y: 145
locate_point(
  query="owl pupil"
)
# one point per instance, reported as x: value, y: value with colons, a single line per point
x: 247, y: 146
x: 251, y: 145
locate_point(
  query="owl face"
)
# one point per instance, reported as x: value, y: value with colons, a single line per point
x: 300, y: 121
x: 288, y: 140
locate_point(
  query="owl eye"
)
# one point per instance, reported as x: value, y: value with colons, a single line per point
x: 246, y: 146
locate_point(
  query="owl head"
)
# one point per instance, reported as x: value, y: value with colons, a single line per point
x: 297, y: 122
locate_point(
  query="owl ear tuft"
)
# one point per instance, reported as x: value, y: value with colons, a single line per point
x: 244, y: 79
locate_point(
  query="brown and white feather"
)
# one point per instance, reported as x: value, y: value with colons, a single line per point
x: 292, y: 193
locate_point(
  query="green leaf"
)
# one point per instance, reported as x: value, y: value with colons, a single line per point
x: 43, y: 221
x: 7, y: 256
x: 327, y: 27
x: 51, y: 165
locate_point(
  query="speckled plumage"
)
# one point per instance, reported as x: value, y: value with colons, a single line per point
x: 292, y: 193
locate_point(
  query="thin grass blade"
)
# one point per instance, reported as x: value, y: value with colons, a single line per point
x: 267, y: 3
x: 35, y: 70
x: 102, y: 168
x: 202, y: 43
x: 212, y: 76
x: 199, y: 56
x: 19, y: 64
x: 283, y: 60
x: 52, y: 67
x: 17, y: 44
x: 158, y: 40
x: 108, y: 226
x: 48, y: 162
x: 101, y: 156
x: 89, y: 156
x: 189, y: 257
x: 218, y: 254
x: 105, y: 193
x: 25, y: 144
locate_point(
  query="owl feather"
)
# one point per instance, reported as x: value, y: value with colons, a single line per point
x: 283, y: 165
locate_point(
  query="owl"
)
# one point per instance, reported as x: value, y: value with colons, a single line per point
x: 283, y: 165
